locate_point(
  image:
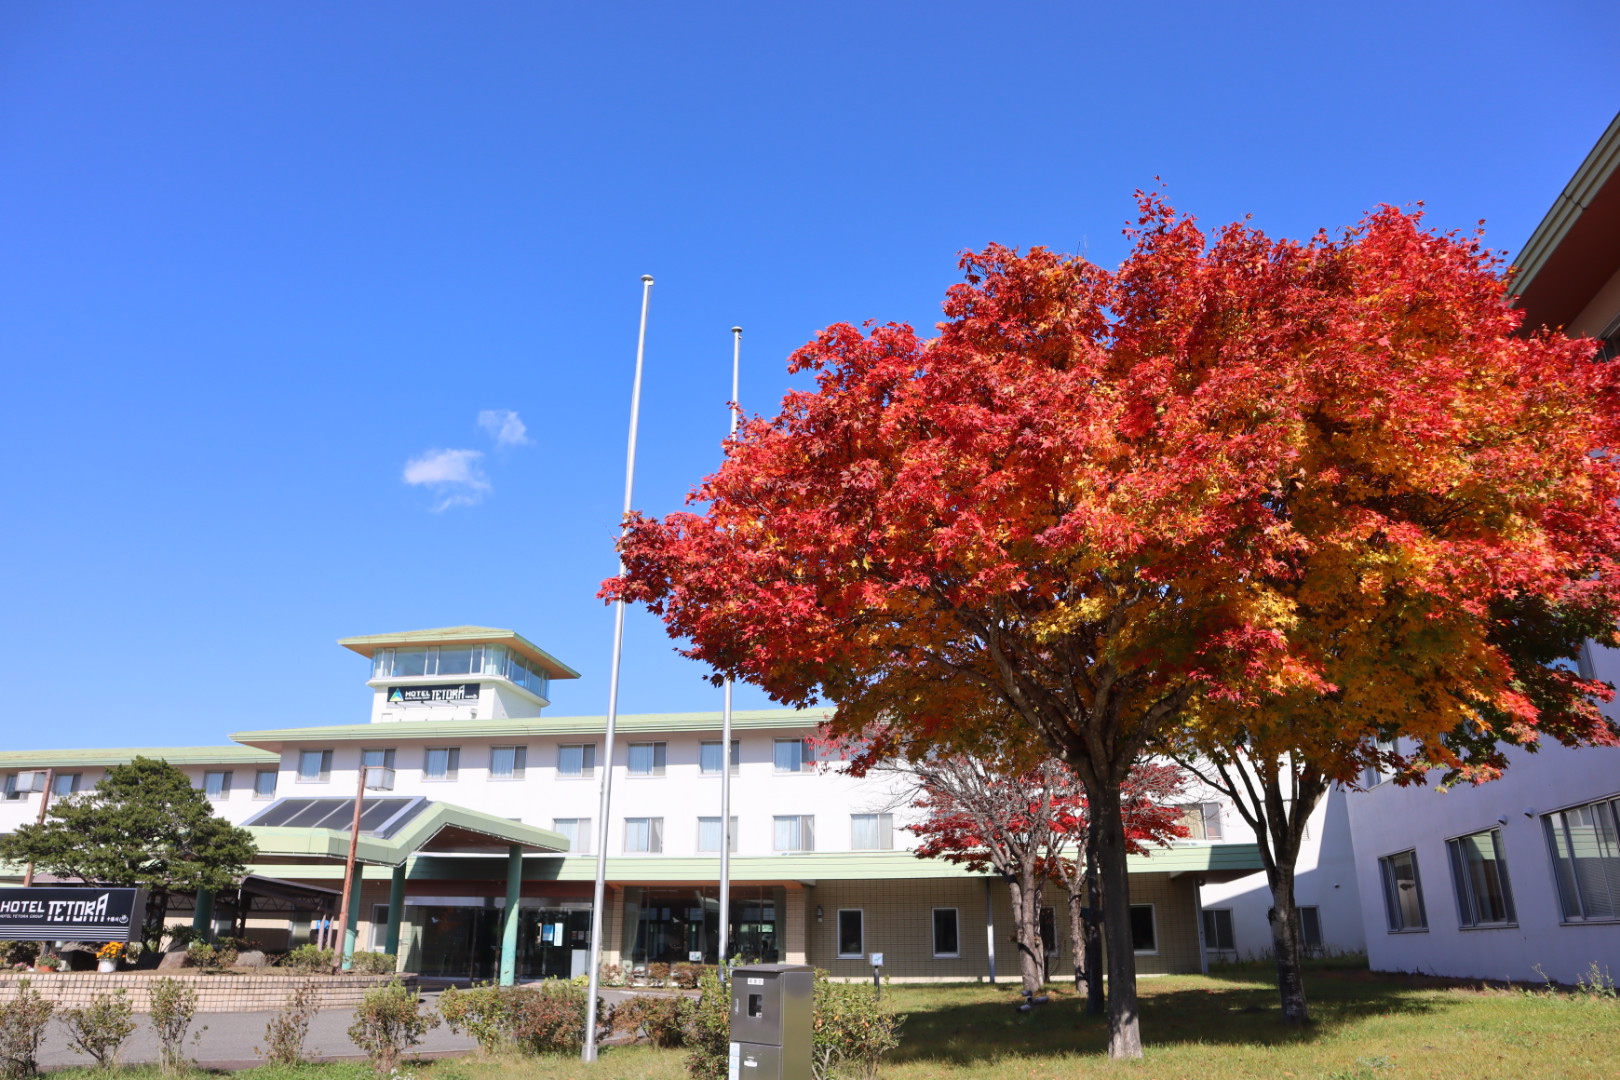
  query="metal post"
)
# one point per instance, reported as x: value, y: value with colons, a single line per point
x: 724, y: 951
x: 202, y: 918
x: 396, y: 909
x: 598, y: 903
x: 509, y: 918
x: 351, y: 936
x: 44, y: 803
x: 341, y: 944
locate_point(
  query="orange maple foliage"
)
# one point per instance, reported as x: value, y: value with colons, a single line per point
x: 1103, y: 505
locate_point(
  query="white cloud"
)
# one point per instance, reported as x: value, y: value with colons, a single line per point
x: 453, y: 475
x: 504, y: 427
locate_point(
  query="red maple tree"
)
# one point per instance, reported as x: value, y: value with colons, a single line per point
x: 1104, y: 508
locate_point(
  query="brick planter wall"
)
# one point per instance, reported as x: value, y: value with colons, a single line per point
x: 215, y: 993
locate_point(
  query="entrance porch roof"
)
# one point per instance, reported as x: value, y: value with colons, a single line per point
x: 419, y: 826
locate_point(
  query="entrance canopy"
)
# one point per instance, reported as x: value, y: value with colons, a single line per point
x: 392, y: 829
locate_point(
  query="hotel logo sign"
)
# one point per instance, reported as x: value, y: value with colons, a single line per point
x: 71, y: 914
x: 432, y: 695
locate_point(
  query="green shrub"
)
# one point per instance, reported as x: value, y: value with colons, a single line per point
x: 388, y: 1022
x: 852, y: 1030
x: 550, y: 1018
x: 18, y: 953
x: 22, y: 1025
x: 685, y: 976
x: 211, y: 958
x: 284, y: 1035
x: 708, y: 1030
x: 309, y: 959
x: 484, y: 1012
x: 173, y: 1005
x: 612, y: 975
x: 181, y: 935
x: 373, y: 963
x: 100, y: 1028
x: 656, y: 1017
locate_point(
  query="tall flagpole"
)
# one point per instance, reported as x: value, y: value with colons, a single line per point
x: 598, y: 904
x: 725, y: 731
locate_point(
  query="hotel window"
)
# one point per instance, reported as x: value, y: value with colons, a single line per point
x: 1585, y: 845
x: 314, y: 765
x: 380, y: 769
x: 709, y: 757
x: 644, y: 834
x: 1144, y: 934
x: 794, y: 832
x: 647, y: 759
x: 1218, y: 930
x: 1202, y: 820
x: 577, y: 761
x: 264, y: 784
x: 945, y: 936
x: 217, y: 785
x: 851, y: 933
x: 1479, y: 875
x: 792, y: 755
x: 709, y: 834
x: 441, y: 763
x: 65, y: 784
x: 508, y: 762
x: 1310, y: 930
x: 1049, y: 934
x: 871, y: 832
x: 578, y: 832
x: 1403, y: 892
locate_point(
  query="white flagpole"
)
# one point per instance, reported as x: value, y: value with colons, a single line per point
x: 725, y: 731
x: 599, y: 905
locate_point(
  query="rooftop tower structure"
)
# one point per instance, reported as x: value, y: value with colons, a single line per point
x: 457, y: 673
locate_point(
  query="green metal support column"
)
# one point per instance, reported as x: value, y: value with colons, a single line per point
x: 202, y: 920
x: 352, y: 933
x: 396, y: 909
x: 509, y: 920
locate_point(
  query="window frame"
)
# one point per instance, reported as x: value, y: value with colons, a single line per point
x: 379, y: 775
x: 520, y: 763
x: 1210, y: 920
x: 806, y: 756
x: 324, y: 773
x: 655, y: 836
x: 1462, y: 883
x: 800, y: 831
x: 452, y: 764
x: 838, y: 933
x: 716, y: 819
x: 582, y: 830
x: 1566, y: 878
x: 1153, y: 924
x: 224, y: 775
x: 885, y: 832
x: 660, y: 759
x: 956, y: 932
x: 736, y: 757
x: 258, y: 782
x: 1391, y: 885
x: 587, y: 769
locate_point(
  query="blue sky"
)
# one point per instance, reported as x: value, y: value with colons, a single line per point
x: 259, y: 263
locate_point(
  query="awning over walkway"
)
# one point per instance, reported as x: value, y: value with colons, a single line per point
x: 392, y: 830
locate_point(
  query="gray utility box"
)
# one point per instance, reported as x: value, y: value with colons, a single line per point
x: 771, y: 1013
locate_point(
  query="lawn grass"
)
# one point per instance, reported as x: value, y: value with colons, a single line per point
x: 1220, y: 1027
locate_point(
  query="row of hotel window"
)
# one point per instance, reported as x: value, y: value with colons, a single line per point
x: 1583, y: 843
x: 851, y: 931
x: 574, y: 761
x: 216, y: 782
x: 789, y: 832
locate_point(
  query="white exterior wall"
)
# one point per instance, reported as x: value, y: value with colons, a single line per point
x: 1389, y: 819
x: 235, y: 808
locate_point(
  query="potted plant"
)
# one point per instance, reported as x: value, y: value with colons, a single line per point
x: 108, y: 955
x: 47, y: 963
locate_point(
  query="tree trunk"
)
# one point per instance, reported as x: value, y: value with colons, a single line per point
x: 157, y: 912
x: 1284, y: 917
x: 1108, y: 825
x: 1077, y: 933
x: 1095, y: 1005
x: 1026, y: 905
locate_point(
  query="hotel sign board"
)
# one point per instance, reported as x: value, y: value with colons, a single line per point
x: 432, y: 695
x: 42, y: 914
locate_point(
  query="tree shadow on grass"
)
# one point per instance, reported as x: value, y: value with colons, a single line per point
x: 1216, y: 1012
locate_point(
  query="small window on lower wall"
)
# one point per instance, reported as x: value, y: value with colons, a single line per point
x: 1403, y: 892
x: 1144, y: 935
x: 851, y: 934
x: 1218, y: 930
x: 946, y: 942
x: 1049, y: 934
x: 1310, y: 930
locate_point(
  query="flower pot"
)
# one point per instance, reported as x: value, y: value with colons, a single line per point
x: 106, y: 965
